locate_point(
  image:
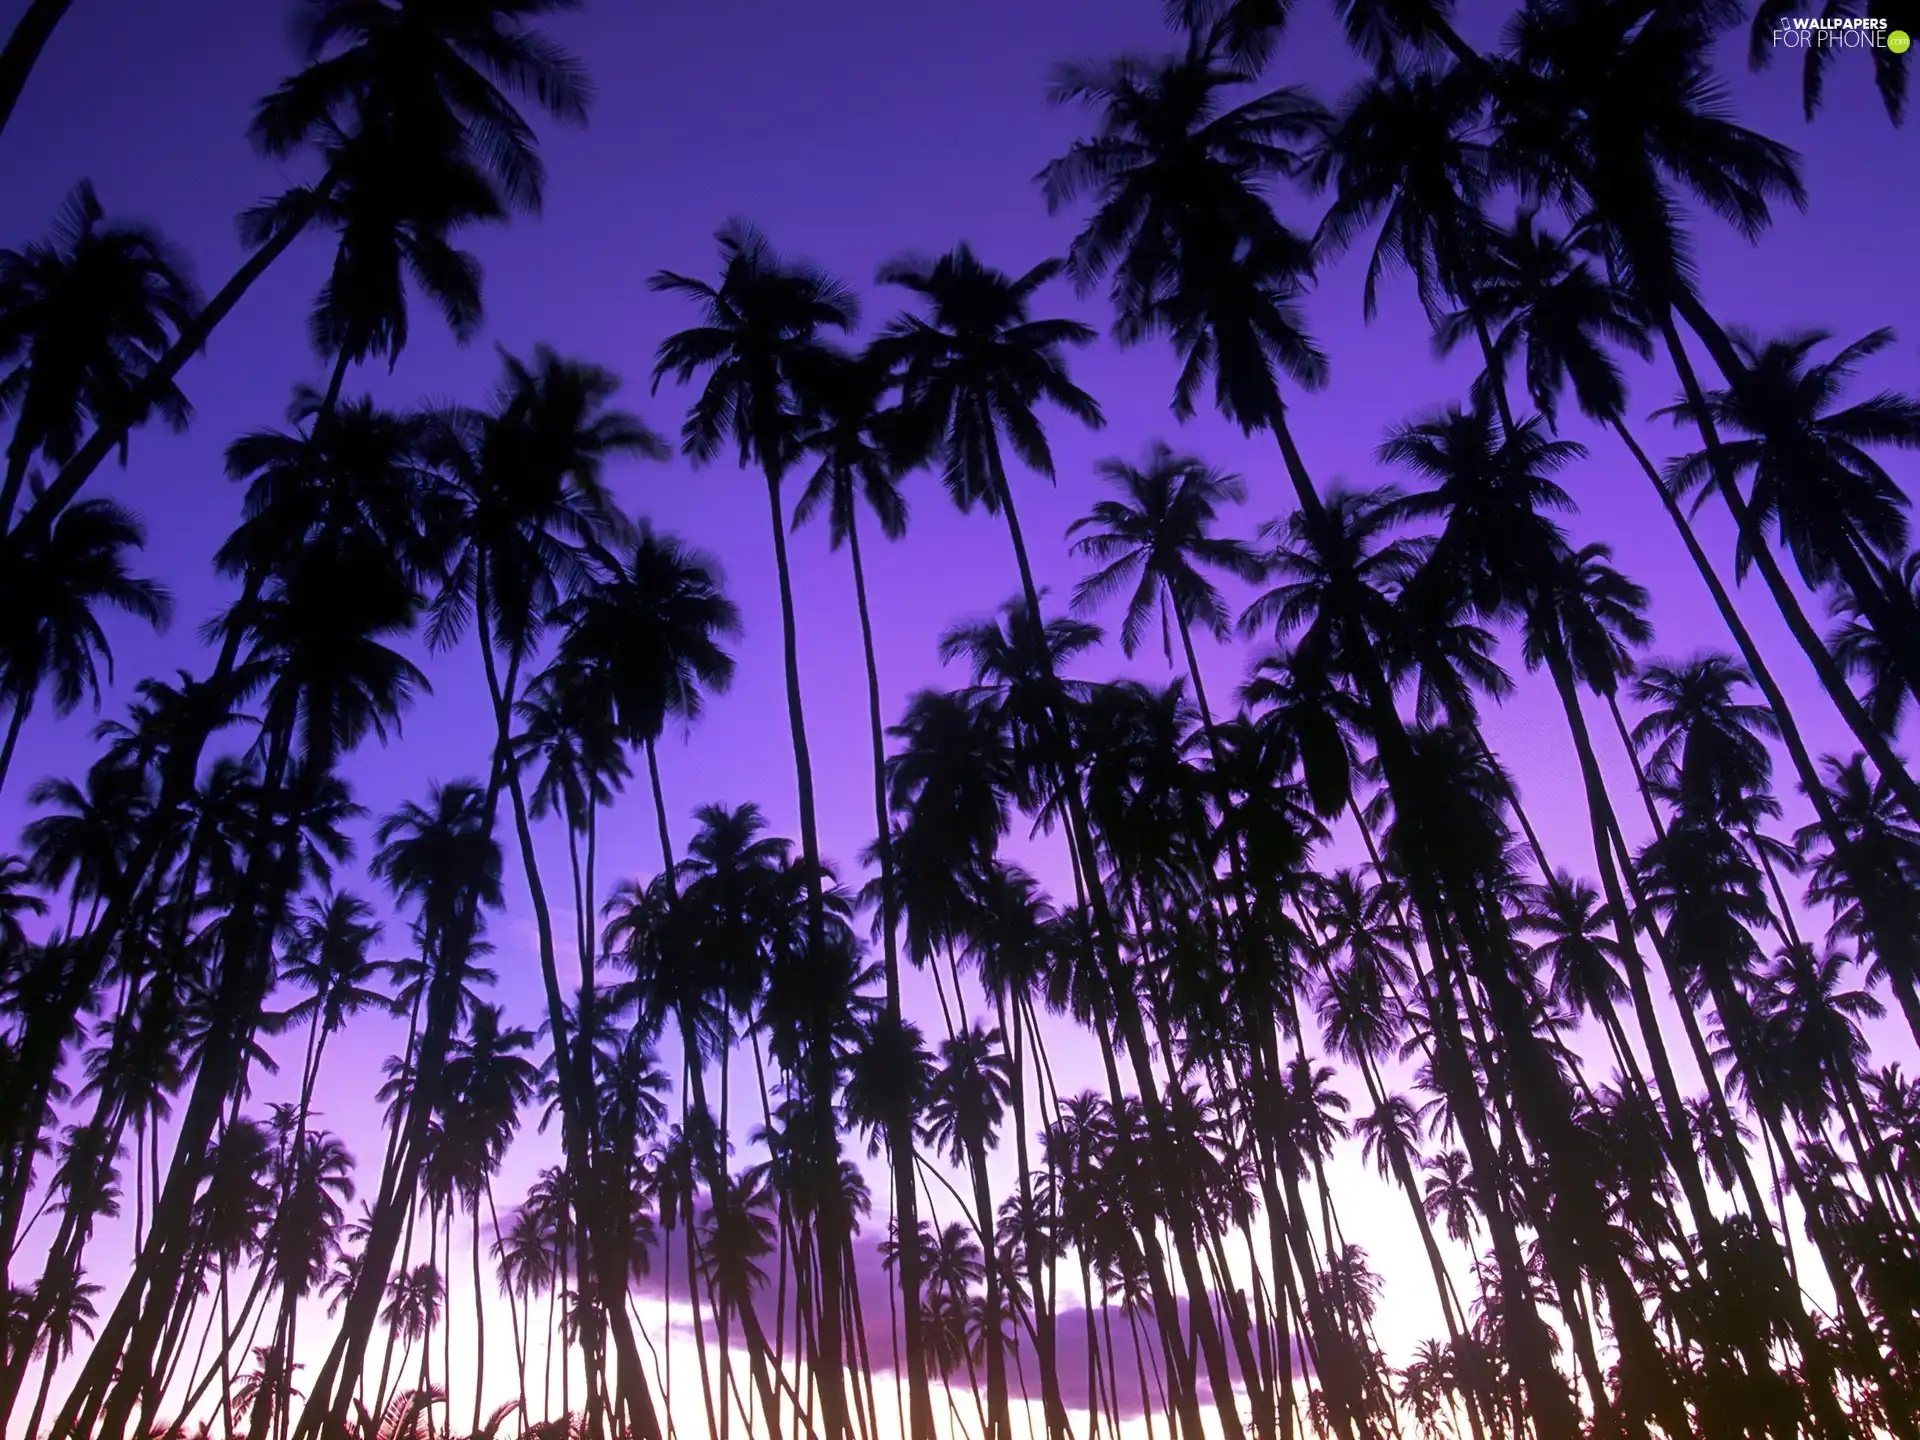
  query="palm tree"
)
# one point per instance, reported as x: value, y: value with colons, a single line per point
x: 1157, y: 540
x: 855, y: 439
x: 761, y: 327
x: 1551, y: 311
x: 85, y: 315
x: 646, y: 640
x: 427, y: 80
x: 328, y: 957
x: 488, y: 1080
x: 313, y: 1182
x: 1405, y: 151
x: 441, y: 857
x: 326, y: 679
x: 531, y: 478
x: 1869, y: 879
x: 394, y: 194
x: 51, y: 635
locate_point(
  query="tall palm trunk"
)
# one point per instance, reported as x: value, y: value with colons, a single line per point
x: 899, y: 1124
x: 832, y: 1381
x: 1126, y: 1006
x: 29, y: 38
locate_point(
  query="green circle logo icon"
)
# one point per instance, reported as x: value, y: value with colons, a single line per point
x: 1898, y: 42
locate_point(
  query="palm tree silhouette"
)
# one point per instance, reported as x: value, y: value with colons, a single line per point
x: 52, y: 637
x: 424, y: 80
x: 88, y: 312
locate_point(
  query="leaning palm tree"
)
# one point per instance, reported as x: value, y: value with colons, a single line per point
x: 1552, y: 314
x: 444, y: 79
x: 1871, y: 877
x: 85, y: 316
x: 50, y: 591
x: 1812, y: 475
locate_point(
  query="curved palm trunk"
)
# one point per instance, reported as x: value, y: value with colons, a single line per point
x: 899, y: 1126
x: 572, y: 1067
x: 1126, y: 1006
x: 29, y: 38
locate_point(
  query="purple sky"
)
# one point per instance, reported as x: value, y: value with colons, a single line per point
x: 850, y: 130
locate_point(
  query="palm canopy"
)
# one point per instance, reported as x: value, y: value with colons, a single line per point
x: 529, y: 479
x: 1157, y: 539
x: 1611, y: 108
x: 1812, y: 474
x: 364, y: 476
x: 857, y: 440
x: 1543, y: 304
x: 449, y: 71
x: 1183, y: 224
x: 647, y: 637
x: 1494, y: 489
x: 976, y: 366
x: 84, y: 315
x: 1703, y: 744
x: 1405, y: 152
x: 50, y: 596
x: 395, y: 200
x: 439, y: 854
x: 760, y: 326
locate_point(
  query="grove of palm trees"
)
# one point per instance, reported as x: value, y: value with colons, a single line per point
x: 1305, y: 954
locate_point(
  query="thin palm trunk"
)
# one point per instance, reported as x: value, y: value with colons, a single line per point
x: 19, y: 706
x: 899, y: 1126
x: 29, y: 38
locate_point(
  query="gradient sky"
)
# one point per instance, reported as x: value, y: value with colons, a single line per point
x: 851, y: 131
